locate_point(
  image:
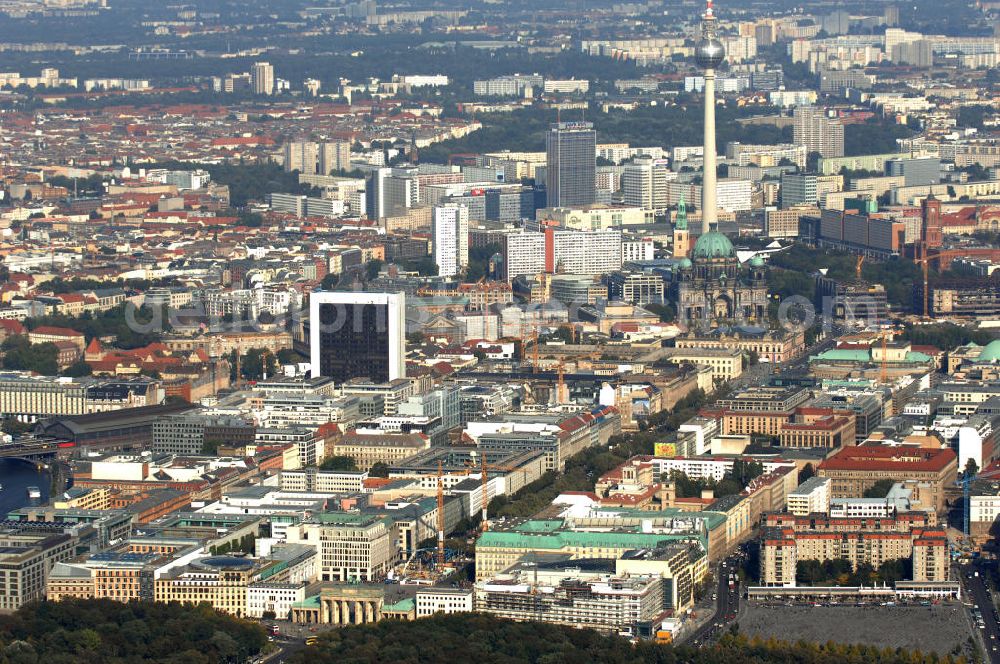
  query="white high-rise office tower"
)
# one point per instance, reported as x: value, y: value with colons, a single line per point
x: 262, y: 78
x: 644, y: 183
x: 450, y: 224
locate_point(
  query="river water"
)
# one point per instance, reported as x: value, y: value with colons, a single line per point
x: 16, y: 477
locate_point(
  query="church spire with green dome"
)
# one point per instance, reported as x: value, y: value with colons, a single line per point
x: 681, y: 221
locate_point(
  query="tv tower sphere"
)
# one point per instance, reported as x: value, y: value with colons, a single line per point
x: 709, y: 53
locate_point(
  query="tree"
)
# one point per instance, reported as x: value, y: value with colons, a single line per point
x: 77, y: 369
x: 666, y: 312
x: 338, y: 463
x: 425, y: 266
x: 971, y: 468
x: 102, y: 630
x: 288, y: 356
x: 256, y: 362
x: 14, y: 427
x: 372, y: 269
x: 21, y: 355
x: 806, y: 472
x: 211, y: 446
x: 873, y: 137
x: 974, y: 116
x: 247, y: 182
x: 379, y: 470
x: 880, y: 489
x: 812, y: 161
x: 479, y: 261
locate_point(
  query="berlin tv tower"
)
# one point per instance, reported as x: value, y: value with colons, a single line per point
x: 709, y: 54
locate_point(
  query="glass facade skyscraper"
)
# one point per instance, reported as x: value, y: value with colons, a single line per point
x: 571, y: 164
x: 357, y: 335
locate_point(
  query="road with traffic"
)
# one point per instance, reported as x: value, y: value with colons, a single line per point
x: 978, y: 593
x: 727, y: 604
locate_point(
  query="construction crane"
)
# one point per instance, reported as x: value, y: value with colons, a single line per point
x: 440, y: 515
x: 883, y: 372
x: 532, y: 336
x: 561, y: 384
x: 942, y: 257
x: 966, y: 483
x: 534, y: 349
x: 485, y: 497
x: 857, y: 266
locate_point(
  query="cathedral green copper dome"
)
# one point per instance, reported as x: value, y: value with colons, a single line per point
x: 756, y: 261
x: 685, y: 262
x: 991, y: 353
x: 713, y: 244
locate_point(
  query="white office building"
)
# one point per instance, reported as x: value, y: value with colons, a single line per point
x: 811, y: 497
x: 450, y: 226
x: 644, y: 183
x: 443, y: 600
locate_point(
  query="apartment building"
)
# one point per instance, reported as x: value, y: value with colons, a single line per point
x: 776, y: 346
x: 26, y: 560
x: 725, y: 363
x: 497, y: 550
x: 818, y: 133
x: 558, y: 435
x: 782, y: 549
x: 444, y: 600
x: 644, y: 183
x: 188, y: 433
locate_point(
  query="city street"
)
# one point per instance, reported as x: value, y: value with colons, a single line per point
x: 726, y: 608
x: 974, y: 578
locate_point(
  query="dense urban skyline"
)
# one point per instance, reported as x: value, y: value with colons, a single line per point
x: 673, y: 322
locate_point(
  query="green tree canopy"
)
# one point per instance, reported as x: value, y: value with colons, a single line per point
x: 104, y: 631
x: 338, y: 463
x: 880, y: 489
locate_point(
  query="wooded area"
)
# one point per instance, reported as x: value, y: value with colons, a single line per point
x: 75, y: 631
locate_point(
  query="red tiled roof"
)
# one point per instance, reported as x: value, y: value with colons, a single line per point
x: 56, y: 331
x: 11, y: 326
x: 886, y: 458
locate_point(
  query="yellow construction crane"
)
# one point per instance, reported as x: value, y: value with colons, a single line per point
x: 857, y: 267
x: 561, y: 384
